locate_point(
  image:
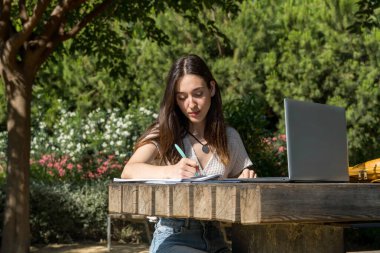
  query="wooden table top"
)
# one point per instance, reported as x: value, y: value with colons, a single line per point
x: 250, y: 203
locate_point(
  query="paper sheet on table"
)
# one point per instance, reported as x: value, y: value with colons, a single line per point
x: 167, y: 181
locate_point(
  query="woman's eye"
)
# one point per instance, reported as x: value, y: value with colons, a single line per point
x: 181, y: 97
x: 198, y: 94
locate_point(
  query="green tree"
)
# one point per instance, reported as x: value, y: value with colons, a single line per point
x: 30, y: 32
x: 286, y: 49
x: 366, y: 17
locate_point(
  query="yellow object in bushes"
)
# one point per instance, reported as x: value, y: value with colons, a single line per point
x: 365, y: 172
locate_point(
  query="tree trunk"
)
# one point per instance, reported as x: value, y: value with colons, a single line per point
x: 16, y: 231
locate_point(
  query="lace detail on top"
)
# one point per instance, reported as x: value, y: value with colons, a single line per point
x: 239, y: 159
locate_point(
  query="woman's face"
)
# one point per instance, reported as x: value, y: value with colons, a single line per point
x: 194, y: 97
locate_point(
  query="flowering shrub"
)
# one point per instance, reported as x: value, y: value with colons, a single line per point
x: 99, y: 167
x: 276, y: 148
x: 93, y: 147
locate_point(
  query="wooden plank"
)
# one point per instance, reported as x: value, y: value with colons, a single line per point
x: 227, y: 206
x: 145, y: 199
x: 162, y: 199
x: 204, y: 201
x: 253, y: 203
x: 114, y: 198
x: 181, y: 204
x: 250, y: 204
x: 319, y: 203
x: 129, y: 200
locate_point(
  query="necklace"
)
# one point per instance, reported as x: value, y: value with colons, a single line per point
x: 205, y: 148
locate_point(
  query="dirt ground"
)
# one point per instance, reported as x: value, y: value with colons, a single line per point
x: 91, y: 248
x: 102, y: 248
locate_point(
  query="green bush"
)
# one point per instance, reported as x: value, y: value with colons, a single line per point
x: 247, y: 115
x: 63, y: 212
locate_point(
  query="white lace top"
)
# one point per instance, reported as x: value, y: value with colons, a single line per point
x: 239, y: 159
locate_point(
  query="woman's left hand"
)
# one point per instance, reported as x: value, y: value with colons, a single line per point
x: 247, y: 173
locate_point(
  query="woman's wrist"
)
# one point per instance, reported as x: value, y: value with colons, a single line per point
x: 166, y: 171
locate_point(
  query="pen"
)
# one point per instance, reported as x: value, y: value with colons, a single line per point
x: 180, y: 151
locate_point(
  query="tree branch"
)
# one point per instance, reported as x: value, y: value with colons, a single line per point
x: 58, y: 15
x: 5, y: 11
x: 36, y: 16
x: 42, y: 45
x: 86, y: 19
x: 19, y: 38
x: 23, y: 12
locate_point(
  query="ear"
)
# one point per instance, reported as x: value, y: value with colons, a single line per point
x: 212, y: 84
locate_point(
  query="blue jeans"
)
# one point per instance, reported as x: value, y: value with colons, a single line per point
x: 187, y: 236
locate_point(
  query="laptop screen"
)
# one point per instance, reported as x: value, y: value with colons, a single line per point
x: 316, y: 141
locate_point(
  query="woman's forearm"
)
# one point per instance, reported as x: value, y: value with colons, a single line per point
x: 145, y: 170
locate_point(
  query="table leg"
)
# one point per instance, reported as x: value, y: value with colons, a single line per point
x: 109, y: 232
x: 292, y: 238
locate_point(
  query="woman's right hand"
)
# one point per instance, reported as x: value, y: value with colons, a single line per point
x: 185, y: 168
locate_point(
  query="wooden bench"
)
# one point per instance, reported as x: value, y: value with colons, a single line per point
x: 265, y: 217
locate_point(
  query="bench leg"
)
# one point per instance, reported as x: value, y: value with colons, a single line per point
x: 292, y: 238
x: 109, y: 232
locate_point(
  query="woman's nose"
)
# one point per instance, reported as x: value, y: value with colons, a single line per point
x: 192, y: 102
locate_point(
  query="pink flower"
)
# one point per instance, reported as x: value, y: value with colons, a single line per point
x: 70, y: 166
x: 281, y: 149
x: 61, y: 172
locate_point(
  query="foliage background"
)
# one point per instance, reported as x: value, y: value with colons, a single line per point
x: 86, y: 117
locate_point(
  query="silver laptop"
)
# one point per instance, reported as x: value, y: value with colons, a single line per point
x: 316, y: 143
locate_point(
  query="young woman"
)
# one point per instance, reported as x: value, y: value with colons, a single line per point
x: 191, y: 117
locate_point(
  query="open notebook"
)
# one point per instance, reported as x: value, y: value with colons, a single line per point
x: 167, y: 181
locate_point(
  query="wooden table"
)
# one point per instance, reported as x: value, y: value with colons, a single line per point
x: 266, y: 217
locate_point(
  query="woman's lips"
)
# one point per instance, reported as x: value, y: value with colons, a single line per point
x: 193, y: 114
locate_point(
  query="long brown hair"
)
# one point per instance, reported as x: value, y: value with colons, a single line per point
x: 172, y: 124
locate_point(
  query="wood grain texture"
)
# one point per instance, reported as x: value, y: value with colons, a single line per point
x: 182, y: 205
x: 251, y: 203
x: 114, y: 198
x: 130, y: 198
x: 204, y: 201
x: 162, y: 197
x: 319, y: 202
x: 146, y: 199
x: 227, y: 204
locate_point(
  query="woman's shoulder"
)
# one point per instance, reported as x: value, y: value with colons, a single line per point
x: 152, y: 132
x: 231, y: 132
